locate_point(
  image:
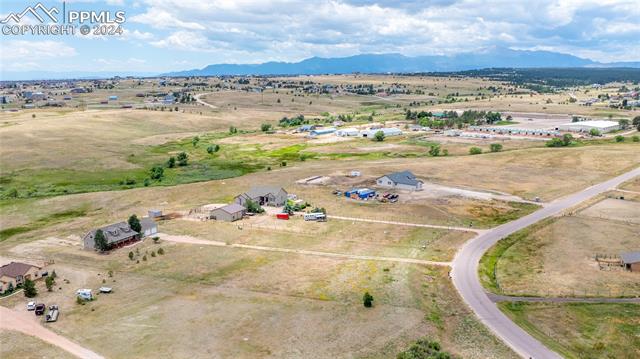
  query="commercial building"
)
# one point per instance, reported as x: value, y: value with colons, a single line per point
x: 587, y: 126
x: 387, y: 131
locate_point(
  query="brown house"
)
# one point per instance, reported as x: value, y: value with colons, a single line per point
x: 117, y: 235
x: 15, y: 273
x: 631, y: 261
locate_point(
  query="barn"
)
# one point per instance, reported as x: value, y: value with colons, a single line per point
x: 631, y: 261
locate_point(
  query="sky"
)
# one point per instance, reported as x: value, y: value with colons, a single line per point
x: 168, y: 35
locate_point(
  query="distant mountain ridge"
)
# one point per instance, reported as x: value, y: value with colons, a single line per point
x: 397, y: 63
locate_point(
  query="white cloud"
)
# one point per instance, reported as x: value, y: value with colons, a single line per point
x: 33, y: 50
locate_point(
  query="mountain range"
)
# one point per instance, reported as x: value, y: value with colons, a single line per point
x: 397, y: 63
x: 365, y: 63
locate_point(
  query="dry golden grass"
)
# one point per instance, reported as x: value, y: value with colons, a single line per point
x: 558, y: 259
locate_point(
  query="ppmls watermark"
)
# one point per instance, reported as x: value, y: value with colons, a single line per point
x: 59, y: 20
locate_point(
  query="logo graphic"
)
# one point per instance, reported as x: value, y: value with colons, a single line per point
x: 33, y: 10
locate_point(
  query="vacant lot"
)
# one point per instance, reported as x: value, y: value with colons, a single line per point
x: 18, y: 345
x: 556, y: 258
x: 244, y: 303
x: 581, y: 330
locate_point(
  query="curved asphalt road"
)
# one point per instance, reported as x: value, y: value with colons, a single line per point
x: 465, y: 270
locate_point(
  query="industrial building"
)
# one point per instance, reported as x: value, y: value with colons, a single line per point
x: 586, y: 126
x: 388, y: 131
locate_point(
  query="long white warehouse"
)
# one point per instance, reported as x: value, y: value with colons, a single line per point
x: 586, y: 126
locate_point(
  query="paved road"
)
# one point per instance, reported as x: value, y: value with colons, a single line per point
x: 25, y: 322
x: 465, y: 270
x: 193, y: 240
x: 464, y: 229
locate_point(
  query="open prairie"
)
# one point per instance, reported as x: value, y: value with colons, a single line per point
x: 263, y: 287
x: 559, y: 258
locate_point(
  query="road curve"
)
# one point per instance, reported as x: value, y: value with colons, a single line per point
x: 202, y: 102
x: 467, y: 282
x: 25, y: 323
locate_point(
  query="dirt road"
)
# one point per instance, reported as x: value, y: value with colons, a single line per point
x: 198, y: 100
x: 25, y: 322
x: 464, y: 229
x: 193, y: 240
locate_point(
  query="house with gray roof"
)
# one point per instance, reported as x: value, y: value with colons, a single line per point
x: 263, y: 195
x: 631, y: 261
x: 117, y: 235
x: 229, y: 213
x: 400, y: 180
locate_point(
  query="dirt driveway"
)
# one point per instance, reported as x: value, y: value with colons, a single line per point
x: 26, y: 323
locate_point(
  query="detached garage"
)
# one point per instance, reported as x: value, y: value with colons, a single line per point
x: 229, y: 213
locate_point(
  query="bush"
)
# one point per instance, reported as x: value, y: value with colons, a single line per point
x: 183, y: 159
x: 635, y: 138
x: 619, y: 138
x: 554, y: 142
x: 594, y: 132
x: 130, y: 255
x: 213, y: 149
x: 79, y: 301
x: 495, y: 147
x: 160, y: 251
x: 475, y: 151
x: 367, y: 300
x: 171, y: 162
x: 424, y: 349
x: 156, y: 173
x: 434, y: 150
x: 379, y: 136
x: 265, y: 127
x: 49, y: 282
x: 144, y: 257
x: 153, y: 253
x: 155, y: 239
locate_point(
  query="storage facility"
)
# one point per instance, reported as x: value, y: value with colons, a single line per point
x: 388, y: 131
x: 586, y: 126
x: 348, y: 132
x: 322, y: 131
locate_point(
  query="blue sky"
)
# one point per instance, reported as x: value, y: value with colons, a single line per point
x: 164, y: 35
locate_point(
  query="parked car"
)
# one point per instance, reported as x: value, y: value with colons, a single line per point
x: 44, y: 274
x: 105, y: 289
x: 40, y: 309
x: 31, y: 306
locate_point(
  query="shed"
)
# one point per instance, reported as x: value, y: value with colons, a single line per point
x: 631, y: 261
x: 229, y: 213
